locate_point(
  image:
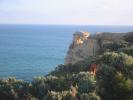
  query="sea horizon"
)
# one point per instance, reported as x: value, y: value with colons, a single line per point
x: 66, y: 24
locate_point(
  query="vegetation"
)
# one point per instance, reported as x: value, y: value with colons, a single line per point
x: 113, y: 79
x: 129, y: 37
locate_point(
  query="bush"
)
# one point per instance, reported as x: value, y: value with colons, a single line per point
x: 64, y: 95
x: 53, y: 96
x: 129, y: 37
x: 127, y: 50
x: 86, y: 82
x: 115, y: 46
x: 41, y: 85
x: 113, y: 85
x: 73, y: 68
x: 121, y: 61
x: 66, y: 69
x: 90, y: 96
x: 14, y: 89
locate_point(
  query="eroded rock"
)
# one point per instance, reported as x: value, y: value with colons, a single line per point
x: 85, y: 45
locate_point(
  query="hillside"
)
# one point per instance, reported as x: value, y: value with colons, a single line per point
x: 85, y: 45
x: 98, y: 67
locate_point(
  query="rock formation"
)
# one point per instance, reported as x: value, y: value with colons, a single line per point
x: 85, y: 45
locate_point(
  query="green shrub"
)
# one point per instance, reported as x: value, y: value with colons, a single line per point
x: 127, y: 50
x: 113, y: 85
x: 129, y: 37
x: 86, y: 82
x: 51, y: 95
x: 121, y: 61
x: 14, y: 89
x: 115, y: 46
x: 66, y: 69
x: 89, y: 96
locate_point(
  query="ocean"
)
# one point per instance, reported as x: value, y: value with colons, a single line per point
x: 27, y: 51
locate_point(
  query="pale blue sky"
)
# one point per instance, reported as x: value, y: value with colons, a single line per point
x: 83, y: 12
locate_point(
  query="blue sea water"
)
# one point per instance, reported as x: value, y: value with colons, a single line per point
x: 27, y: 51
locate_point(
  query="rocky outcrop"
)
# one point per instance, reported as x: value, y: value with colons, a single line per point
x: 85, y: 45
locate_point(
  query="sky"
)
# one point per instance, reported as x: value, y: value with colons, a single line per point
x: 78, y: 12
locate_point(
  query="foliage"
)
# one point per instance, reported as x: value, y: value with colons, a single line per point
x: 63, y: 69
x: 12, y: 89
x: 115, y: 46
x: 86, y: 82
x: 121, y: 61
x: 129, y: 37
x: 53, y: 96
x: 74, y: 68
x: 90, y: 96
x: 47, y: 88
x: 113, y: 85
x: 128, y: 50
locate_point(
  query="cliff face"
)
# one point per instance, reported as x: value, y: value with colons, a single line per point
x: 85, y: 45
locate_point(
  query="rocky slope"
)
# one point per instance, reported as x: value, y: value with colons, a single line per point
x: 85, y: 45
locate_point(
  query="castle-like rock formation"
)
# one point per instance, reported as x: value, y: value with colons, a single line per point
x: 85, y: 45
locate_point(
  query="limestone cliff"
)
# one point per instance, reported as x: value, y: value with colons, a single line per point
x: 85, y: 45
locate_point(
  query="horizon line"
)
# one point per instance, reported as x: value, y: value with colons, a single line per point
x: 63, y: 24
